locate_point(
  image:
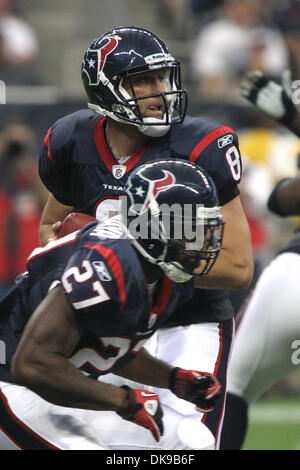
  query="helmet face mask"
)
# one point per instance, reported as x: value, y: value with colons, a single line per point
x: 121, y: 56
x: 171, y: 99
x: 189, y: 260
x: 173, y: 218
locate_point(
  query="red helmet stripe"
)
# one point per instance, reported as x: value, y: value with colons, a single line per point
x: 159, y: 185
x: 107, y: 49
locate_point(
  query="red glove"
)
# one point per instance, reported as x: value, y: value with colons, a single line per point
x: 200, y: 388
x: 144, y: 409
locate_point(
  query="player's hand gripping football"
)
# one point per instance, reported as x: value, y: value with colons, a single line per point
x: 200, y: 388
x: 144, y: 409
x: 272, y: 98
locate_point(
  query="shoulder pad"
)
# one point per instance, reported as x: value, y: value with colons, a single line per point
x: 193, y: 132
x: 112, y: 264
x: 60, y: 135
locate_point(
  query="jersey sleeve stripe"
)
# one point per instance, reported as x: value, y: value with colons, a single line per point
x: 208, y: 139
x: 47, y: 144
x: 164, y: 296
x: 115, y: 267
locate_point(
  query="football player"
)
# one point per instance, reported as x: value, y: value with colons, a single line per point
x: 269, y: 329
x: 137, y: 113
x: 85, y: 308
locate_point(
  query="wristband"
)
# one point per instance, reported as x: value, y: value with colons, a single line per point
x: 132, y: 407
x: 172, y: 378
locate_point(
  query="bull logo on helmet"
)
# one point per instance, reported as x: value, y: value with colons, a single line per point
x: 163, y: 183
x: 112, y: 43
x: 94, y: 60
x: 155, y: 186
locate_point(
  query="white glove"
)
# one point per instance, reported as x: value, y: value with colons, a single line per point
x: 272, y: 98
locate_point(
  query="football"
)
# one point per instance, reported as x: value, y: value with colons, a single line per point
x: 73, y: 222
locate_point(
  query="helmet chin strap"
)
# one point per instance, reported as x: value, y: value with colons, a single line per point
x: 172, y: 271
x: 150, y: 131
x: 153, y: 131
x: 175, y: 273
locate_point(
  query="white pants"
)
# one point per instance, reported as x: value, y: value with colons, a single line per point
x: 204, y: 347
x: 53, y: 427
x: 194, y: 347
x: 263, y: 348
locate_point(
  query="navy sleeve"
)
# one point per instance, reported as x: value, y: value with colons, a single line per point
x: 222, y: 160
x: 52, y: 177
x: 215, y: 148
x: 54, y: 170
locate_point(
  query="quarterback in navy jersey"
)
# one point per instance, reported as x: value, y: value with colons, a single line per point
x: 137, y: 113
x: 85, y: 303
x: 75, y: 150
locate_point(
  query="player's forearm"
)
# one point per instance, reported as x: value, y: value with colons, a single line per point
x: 40, y: 361
x: 57, y: 381
x: 147, y: 370
x: 233, y: 268
x: 228, y: 272
x: 53, y: 213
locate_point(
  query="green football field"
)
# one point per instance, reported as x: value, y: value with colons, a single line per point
x: 274, y: 424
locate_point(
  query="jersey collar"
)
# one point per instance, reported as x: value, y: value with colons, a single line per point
x: 106, y: 154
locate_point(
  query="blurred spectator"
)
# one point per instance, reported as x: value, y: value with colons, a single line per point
x: 201, y: 6
x: 18, y: 46
x: 292, y: 38
x: 181, y: 17
x: 21, y: 199
x: 175, y: 10
x: 174, y: 15
x: 242, y: 39
x: 287, y: 17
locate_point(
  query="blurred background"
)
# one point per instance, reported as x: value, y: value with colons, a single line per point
x: 42, y: 44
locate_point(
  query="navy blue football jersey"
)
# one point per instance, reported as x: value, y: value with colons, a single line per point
x: 105, y: 286
x: 78, y: 168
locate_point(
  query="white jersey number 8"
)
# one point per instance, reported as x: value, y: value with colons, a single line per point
x: 234, y: 162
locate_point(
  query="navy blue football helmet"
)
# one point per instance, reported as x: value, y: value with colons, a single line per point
x: 123, y: 53
x: 173, y: 217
